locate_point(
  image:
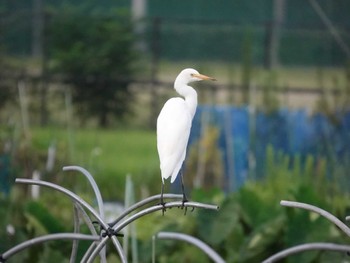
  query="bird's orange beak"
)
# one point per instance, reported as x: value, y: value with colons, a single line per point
x: 203, y: 77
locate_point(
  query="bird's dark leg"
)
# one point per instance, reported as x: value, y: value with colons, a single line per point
x: 184, y: 197
x: 162, y: 199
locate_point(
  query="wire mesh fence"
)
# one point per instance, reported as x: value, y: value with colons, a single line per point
x: 304, y: 39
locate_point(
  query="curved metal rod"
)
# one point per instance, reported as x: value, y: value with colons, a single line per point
x: 66, y: 192
x: 305, y: 247
x: 74, y: 197
x: 86, y: 219
x: 93, y: 185
x: 45, y: 238
x: 144, y: 212
x: 320, y: 211
x: 91, y: 227
x: 194, y: 241
x: 118, y: 246
x: 76, y: 230
x: 88, y: 252
x: 97, y: 250
x: 154, y: 208
x: 142, y: 203
x: 90, y: 257
x: 97, y: 195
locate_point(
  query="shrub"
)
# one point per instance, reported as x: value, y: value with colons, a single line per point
x: 96, y: 56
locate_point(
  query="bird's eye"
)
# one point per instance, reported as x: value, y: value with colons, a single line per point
x: 192, y: 75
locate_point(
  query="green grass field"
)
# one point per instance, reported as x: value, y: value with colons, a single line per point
x: 112, y: 154
x: 109, y: 155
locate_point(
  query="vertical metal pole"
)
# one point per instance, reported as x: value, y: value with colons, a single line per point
x: 274, y: 32
x: 138, y: 10
x: 24, y: 107
x: 37, y: 28
x: 153, y: 249
x: 156, y: 24
x: 69, y: 113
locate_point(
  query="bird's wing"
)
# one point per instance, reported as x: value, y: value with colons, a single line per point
x: 173, y: 130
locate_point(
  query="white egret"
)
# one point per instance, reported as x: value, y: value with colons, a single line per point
x: 174, y: 124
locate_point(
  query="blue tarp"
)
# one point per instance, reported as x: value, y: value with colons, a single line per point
x: 245, y: 133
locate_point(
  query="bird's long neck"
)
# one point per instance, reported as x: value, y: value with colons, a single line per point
x: 189, y: 94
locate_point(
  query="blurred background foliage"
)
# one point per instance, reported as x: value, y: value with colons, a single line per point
x: 86, y: 54
x: 82, y: 83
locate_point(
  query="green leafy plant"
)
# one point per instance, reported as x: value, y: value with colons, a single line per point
x: 205, y: 163
x: 251, y: 225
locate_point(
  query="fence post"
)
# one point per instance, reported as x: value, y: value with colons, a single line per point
x: 273, y: 34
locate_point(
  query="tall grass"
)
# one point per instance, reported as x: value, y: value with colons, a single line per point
x: 108, y: 154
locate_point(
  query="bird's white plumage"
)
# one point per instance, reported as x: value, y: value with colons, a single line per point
x: 173, y: 131
x: 174, y: 124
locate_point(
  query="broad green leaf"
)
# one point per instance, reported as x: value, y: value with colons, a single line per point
x: 214, y: 227
x: 263, y: 241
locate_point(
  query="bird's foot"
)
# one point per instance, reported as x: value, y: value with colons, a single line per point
x: 162, y: 203
x: 163, y: 209
x: 184, y: 200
